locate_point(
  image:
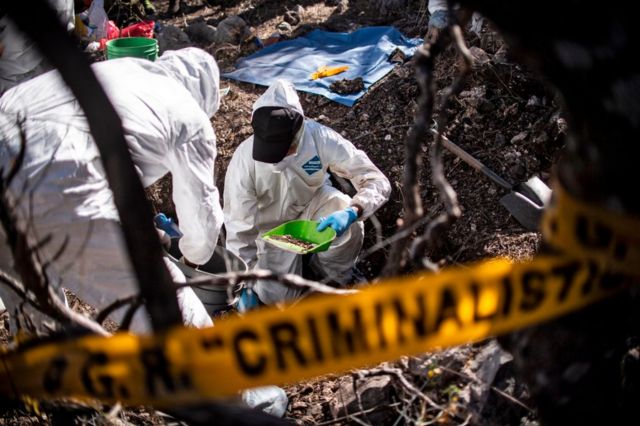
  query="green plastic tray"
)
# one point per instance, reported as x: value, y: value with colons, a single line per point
x: 304, y: 230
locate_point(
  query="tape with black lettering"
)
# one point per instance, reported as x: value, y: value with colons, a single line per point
x: 583, y: 230
x: 318, y: 335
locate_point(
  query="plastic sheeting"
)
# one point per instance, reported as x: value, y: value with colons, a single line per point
x: 366, y: 52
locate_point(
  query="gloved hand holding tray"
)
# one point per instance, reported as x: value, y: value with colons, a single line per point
x: 300, y: 236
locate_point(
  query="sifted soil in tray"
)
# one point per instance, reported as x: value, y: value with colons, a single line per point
x: 305, y: 245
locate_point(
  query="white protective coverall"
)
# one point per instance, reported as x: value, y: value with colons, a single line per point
x: 165, y: 108
x: 259, y: 196
x: 20, y: 59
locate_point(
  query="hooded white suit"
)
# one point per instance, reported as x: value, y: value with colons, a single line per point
x: 259, y: 196
x: 165, y: 108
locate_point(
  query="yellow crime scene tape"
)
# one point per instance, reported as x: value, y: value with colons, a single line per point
x: 589, y: 232
x: 327, y: 334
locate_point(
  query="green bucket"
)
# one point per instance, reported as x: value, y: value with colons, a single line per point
x: 302, y: 230
x: 137, y: 47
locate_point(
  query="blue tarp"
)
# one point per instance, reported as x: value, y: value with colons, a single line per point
x: 366, y: 52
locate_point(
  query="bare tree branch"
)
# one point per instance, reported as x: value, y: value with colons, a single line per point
x: 57, y: 309
x: 493, y: 388
x: 447, y: 193
x: 351, y: 415
x: 398, y: 374
x: 17, y: 161
x: 231, y: 279
x: 108, y: 310
x: 424, y: 60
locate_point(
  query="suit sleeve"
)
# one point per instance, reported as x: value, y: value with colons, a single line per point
x: 196, y: 197
x: 345, y: 160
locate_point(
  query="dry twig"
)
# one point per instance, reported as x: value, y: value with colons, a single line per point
x: 397, y: 373
x: 424, y: 60
x: 446, y: 191
x: 493, y: 388
x: 231, y: 279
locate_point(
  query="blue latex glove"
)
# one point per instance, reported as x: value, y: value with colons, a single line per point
x: 167, y: 225
x: 248, y: 300
x: 340, y: 221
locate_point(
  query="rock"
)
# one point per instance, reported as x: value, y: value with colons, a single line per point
x: 270, y: 399
x: 533, y: 102
x: 316, y: 410
x: 342, y: 5
x: 284, y: 27
x: 520, y: 137
x: 480, y: 57
x: 474, y: 96
x: 233, y: 30
x: 541, y: 138
x: 486, y: 107
x: 510, y: 110
x: 518, y: 171
x: 292, y: 17
x: 377, y: 391
x: 172, y: 38
x: 299, y: 405
x: 201, y: 32
x: 398, y: 57
x: 483, y: 368
x: 501, y: 56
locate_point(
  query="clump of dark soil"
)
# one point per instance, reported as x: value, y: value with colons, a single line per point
x: 347, y: 87
x: 302, y: 244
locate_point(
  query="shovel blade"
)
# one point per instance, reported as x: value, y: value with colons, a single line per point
x: 524, y: 210
x: 527, y: 201
x: 535, y: 190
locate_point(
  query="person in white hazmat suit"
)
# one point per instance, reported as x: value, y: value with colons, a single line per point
x: 281, y: 173
x: 20, y: 59
x: 61, y: 189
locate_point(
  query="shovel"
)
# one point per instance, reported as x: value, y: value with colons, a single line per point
x: 525, y: 201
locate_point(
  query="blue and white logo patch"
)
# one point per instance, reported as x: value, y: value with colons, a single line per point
x: 312, y: 165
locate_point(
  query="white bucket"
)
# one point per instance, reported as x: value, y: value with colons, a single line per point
x: 214, y: 298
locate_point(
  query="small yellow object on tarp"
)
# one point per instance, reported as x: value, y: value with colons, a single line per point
x: 325, y: 71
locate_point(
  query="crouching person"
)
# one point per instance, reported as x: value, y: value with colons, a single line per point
x: 281, y: 173
x: 61, y: 190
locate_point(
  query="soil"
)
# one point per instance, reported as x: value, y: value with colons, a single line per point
x: 504, y: 116
x: 304, y: 245
x: 347, y: 87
